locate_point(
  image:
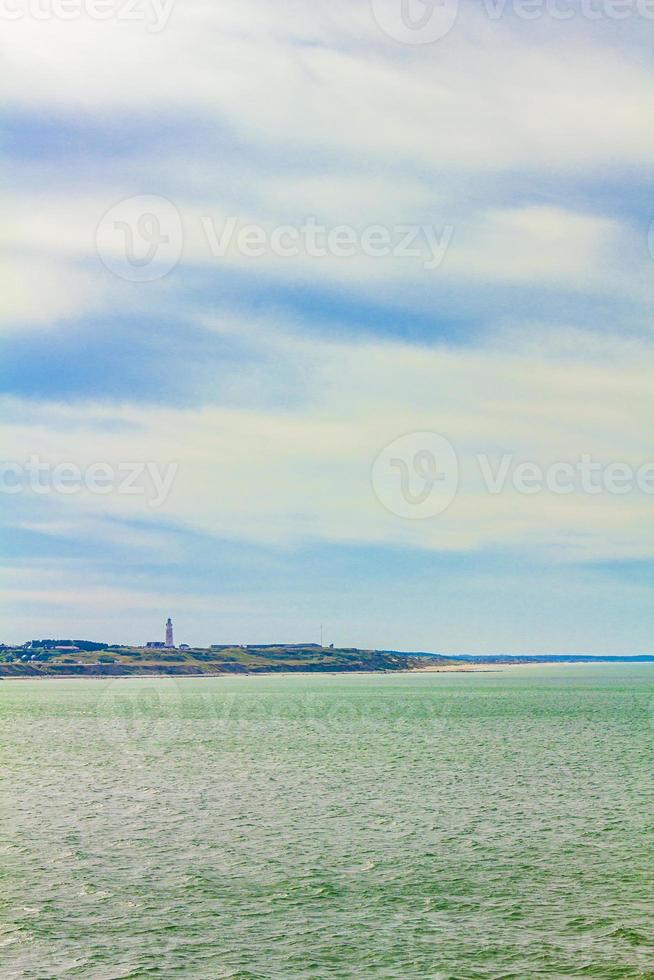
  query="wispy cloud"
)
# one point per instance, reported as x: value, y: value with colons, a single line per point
x: 516, y: 153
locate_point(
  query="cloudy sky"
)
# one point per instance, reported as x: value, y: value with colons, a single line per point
x: 336, y: 298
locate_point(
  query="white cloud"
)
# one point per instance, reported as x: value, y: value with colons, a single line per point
x: 41, y: 291
x: 55, y: 271
x: 283, y: 475
x: 353, y: 128
x: 325, y: 79
x: 102, y: 532
x: 539, y: 244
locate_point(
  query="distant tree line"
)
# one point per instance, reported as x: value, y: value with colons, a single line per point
x: 85, y: 645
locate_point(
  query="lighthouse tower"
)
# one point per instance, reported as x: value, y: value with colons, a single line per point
x: 170, y: 643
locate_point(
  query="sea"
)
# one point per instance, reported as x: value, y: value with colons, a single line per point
x: 492, y: 825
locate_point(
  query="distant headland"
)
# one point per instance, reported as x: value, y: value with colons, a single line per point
x: 80, y: 658
x: 84, y: 658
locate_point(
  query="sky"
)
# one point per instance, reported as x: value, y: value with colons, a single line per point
x: 334, y: 313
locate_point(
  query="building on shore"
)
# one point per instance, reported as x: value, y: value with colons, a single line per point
x: 170, y: 642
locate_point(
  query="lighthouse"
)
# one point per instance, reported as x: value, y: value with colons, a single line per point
x: 170, y: 643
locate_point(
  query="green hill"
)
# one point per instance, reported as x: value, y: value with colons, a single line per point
x: 110, y: 661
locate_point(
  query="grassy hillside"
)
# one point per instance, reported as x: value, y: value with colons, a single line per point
x: 116, y: 661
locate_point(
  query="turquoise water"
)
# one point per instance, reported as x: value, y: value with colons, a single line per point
x: 490, y: 825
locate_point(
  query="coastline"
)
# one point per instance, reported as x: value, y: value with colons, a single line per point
x: 364, y: 664
x: 227, y: 675
x: 205, y: 675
